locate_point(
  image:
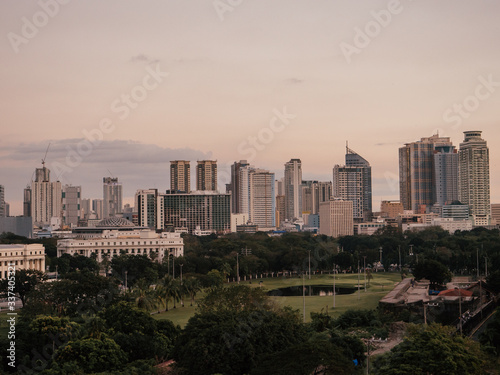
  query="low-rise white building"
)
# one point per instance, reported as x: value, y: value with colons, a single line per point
x: 135, y: 242
x: 21, y: 257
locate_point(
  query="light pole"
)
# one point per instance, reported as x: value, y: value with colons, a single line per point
x: 477, y: 259
x: 173, y: 267
x: 237, y: 268
x: 56, y: 272
x: 399, y: 251
x: 309, y: 264
x: 334, y: 292
x: 304, y: 297
x: 460, y: 309
x: 364, y: 269
x: 380, y: 249
x: 485, y: 266
x: 181, y: 271
x: 126, y: 273
x: 359, y: 296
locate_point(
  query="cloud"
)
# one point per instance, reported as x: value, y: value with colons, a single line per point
x: 137, y: 165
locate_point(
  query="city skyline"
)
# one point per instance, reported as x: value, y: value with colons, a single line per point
x: 263, y: 82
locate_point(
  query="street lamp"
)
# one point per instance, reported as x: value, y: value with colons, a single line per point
x: 304, y: 297
x: 309, y: 264
x: 364, y: 269
x: 334, y: 293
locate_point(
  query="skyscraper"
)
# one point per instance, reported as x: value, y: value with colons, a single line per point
x: 71, y: 204
x: 262, y: 198
x: 445, y: 174
x: 2, y: 201
x: 98, y: 208
x: 474, y: 177
x: 235, y: 185
x: 353, y: 182
x: 113, y: 197
x: 150, y: 208
x: 180, y: 176
x: 293, y: 191
x: 336, y: 218
x: 416, y: 172
x: 206, y: 175
x: 314, y: 193
x: 46, y: 197
x: 27, y: 201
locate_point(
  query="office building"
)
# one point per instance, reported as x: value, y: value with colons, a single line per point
x: 391, y: 209
x: 27, y: 201
x: 46, y: 198
x: 495, y: 213
x: 206, y: 175
x: 98, y: 208
x: 237, y: 186
x: 336, y: 218
x: 2, y: 201
x: 22, y: 257
x: 71, y: 205
x: 150, y: 209
x: 417, y: 172
x: 208, y: 210
x: 180, y: 176
x: 293, y: 189
x: 262, y: 200
x: 314, y: 193
x: 353, y: 159
x: 445, y: 174
x: 113, y: 197
x: 474, y: 177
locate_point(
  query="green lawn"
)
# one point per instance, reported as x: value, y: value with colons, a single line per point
x: 380, y: 285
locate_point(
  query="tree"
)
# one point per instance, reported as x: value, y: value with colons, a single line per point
x: 144, y: 296
x: 192, y: 287
x: 25, y: 282
x: 235, y: 298
x: 91, y: 355
x: 432, y: 349
x: 493, y: 281
x: 432, y: 270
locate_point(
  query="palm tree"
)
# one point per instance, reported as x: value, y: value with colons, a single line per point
x: 175, y: 291
x: 192, y: 286
x: 163, y: 291
x: 143, y: 295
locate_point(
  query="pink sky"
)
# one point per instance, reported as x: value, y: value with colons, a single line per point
x: 229, y: 71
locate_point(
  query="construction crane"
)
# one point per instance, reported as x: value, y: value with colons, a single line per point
x: 43, y: 160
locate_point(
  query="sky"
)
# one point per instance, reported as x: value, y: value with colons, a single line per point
x: 120, y: 88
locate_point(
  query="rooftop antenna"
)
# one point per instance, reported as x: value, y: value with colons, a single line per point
x: 110, y: 173
x: 43, y: 160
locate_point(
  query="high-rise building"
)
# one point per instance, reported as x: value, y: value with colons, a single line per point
x: 336, y: 218
x: 293, y: 191
x: 235, y: 187
x: 2, y: 201
x: 180, y: 176
x: 352, y: 181
x: 206, y: 175
x: 46, y: 198
x: 446, y: 174
x: 86, y: 205
x: 391, y: 209
x: 208, y: 210
x: 495, y: 213
x: 262, y: 198
x: 98, y: 208
x: 417, y: 172
x: 71, y: 204
x: 113, y: 197
x: 150, y: 208
x: 27, y: 201
x: 314, y: 193
x: 353, y: 159
x: 474, y: 177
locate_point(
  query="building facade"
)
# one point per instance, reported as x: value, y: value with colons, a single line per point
x: 474, y: 177
x: 417, y: 172
x: 46, y: 198
x: 262, y: 199
x: 22, y: 257
x: 150, y: 209
x: 180, y: 176
x: 445, y: 174
x: 71, y: 205
x: 134, y: 242
x: 2, y: 201
x: 112, y: 197
x: 293, y: 194
x: 236, y: 185
x: 208, y: 210
x: 206, y: 175
x: 336, y: 218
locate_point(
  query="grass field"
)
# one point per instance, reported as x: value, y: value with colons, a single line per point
x: 380, y: 285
